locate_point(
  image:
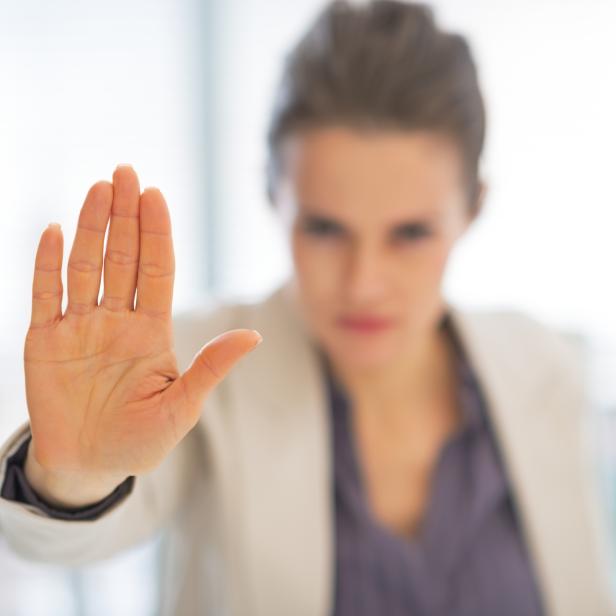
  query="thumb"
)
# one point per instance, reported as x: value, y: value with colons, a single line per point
x: 210, y: 366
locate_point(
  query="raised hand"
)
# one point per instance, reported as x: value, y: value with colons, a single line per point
x: 104, y: 394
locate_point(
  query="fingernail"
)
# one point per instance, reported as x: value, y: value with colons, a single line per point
x: 124, y: 166
x: 259, y: 337
x: 54, y: 225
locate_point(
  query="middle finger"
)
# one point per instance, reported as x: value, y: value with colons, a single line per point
x: 122, y: 253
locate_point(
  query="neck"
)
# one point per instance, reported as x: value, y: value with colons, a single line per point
x: 422, y: 372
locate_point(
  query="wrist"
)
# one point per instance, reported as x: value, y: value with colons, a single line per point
x: 67, y: 489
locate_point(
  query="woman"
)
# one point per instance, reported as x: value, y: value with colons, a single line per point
x: 383, y: 451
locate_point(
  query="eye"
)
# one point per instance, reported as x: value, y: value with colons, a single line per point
x: 412, y: 232
x: 321, y: 227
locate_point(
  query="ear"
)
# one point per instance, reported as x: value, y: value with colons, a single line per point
x: 482, y: 189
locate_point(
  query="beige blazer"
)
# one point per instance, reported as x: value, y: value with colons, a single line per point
x: 246, y: 496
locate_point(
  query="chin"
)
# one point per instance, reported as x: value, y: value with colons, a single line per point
x: 362, y: 352
x: 365, y: 362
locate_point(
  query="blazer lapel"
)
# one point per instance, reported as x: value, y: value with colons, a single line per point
x: 535, y: 397
x: 283, y: 449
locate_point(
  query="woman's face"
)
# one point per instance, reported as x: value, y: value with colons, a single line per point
x: 372, y: 219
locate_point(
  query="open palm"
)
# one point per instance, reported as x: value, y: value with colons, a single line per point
x: 103, y: 389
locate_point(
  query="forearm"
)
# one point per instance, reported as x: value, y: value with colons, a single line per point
x: 37, y: 530
x: 136, y: 509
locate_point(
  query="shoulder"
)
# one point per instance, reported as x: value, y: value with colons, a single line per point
x: 527, y: 343
x: 525, y: 327
x: 196, y: 326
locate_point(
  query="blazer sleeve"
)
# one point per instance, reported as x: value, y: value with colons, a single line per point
x: 146, y: 504
x: 16, y: 487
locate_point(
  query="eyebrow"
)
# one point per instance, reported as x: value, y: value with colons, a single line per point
x: 315, y: 216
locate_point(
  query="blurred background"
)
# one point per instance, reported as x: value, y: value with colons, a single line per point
x: 181, y: 89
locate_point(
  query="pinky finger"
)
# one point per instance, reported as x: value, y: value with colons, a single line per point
x: 47, y: 283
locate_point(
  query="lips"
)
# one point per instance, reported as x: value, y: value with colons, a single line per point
x: 365, y: 323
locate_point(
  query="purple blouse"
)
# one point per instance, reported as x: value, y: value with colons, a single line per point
x: 469, y: 558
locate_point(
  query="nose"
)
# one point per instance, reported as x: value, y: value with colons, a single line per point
x: 366, y: 274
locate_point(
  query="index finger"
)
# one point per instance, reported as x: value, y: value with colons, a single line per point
x: 156, y: 271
